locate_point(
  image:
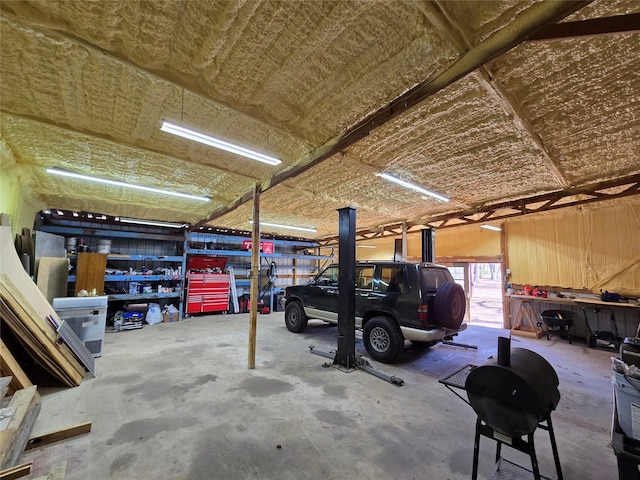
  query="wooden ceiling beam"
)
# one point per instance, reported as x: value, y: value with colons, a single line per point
x: 614, y: 25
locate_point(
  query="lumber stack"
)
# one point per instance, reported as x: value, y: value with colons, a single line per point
x: 27, y: 313
x: 37, y: 335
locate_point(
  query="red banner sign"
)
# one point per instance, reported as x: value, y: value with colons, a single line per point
x: 265, y: 247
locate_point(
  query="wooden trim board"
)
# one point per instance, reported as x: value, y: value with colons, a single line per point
x: 58, y: 435
x: 18, y: 471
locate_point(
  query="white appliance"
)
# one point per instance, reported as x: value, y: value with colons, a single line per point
x: 87, y: 317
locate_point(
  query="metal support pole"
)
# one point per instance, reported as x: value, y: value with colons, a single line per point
x: 346, y: 353
x: 428, y: 245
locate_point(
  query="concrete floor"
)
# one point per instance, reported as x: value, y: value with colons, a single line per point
x: 176, y: 401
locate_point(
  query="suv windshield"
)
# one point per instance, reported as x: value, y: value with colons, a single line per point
x: 328, y: 276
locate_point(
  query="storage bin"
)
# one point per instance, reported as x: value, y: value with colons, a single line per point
x: 627, y: 392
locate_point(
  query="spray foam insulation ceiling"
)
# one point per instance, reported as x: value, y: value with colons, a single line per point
x: 454, y: 96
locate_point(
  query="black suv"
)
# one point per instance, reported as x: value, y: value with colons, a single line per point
x: 395, y: 301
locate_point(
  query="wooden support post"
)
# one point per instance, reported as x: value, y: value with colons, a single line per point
x: 255, y: 277
x: 404, y: 241
x: 506, y: 305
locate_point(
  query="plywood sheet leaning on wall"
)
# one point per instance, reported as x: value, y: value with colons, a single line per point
x: 53, y: 275
x: 25, y: 311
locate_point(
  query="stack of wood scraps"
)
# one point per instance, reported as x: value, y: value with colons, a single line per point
x: 37, y: 335
x: 17, y: 416
x: 25, y: 310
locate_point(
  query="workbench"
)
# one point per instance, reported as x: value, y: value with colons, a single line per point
x: 525, y: 314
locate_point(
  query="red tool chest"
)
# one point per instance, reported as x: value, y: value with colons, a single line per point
x: 207, y: 292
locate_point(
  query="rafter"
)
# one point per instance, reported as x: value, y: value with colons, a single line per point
x: 591, y: 193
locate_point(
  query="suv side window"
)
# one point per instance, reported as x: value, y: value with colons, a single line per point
x: 392, y: 279
x: 329, y: 276
x: 364, y: 277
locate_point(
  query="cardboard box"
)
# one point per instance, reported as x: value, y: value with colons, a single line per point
x: 170, y: 317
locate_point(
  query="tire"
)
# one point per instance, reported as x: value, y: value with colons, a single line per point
x: 450, y: 305
x: 294, y: 317
x: 383, y: 339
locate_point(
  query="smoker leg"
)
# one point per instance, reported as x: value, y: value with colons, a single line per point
x: 498, y: 450
x: 534, y: 459
x: 554, y: 448
x: 476, y: 451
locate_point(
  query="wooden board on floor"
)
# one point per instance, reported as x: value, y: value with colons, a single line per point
x: 16, y: 472
x: 58, y: 435
x: 53, y: 276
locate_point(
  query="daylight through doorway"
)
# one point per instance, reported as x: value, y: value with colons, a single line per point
x: 485, y: 294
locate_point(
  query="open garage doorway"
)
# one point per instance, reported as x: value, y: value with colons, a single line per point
x: 482, y: 284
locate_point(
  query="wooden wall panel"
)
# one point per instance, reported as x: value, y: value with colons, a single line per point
x: 589, y: 248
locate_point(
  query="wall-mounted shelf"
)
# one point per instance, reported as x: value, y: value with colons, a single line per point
x: 144, y: 296
x: 247, y: 253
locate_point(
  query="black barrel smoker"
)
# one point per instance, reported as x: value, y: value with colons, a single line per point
x: 512, y: 395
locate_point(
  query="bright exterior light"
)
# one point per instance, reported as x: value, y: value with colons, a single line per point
x: 411, y: 186
x: 290, y: 227
x: 217, y: 143
x: 491, y: 227
x: 67, y: 173
x: 154, y: 223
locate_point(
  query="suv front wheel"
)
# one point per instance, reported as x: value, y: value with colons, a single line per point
x: 383, y: 339
x: 294, y: 317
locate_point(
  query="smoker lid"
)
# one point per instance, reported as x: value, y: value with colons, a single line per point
x: 514, y: 399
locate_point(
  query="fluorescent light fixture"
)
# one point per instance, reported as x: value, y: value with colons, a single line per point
x: 153, y: 223
x: 67, y: 173
x: 411, y: 186
x: 290, y: 227
x: 490, y: 227
x: 217, y: 143
x: 365, y: 246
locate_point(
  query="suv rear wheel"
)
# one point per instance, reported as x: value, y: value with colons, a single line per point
x: 383, y: 339
x: 294, y: 317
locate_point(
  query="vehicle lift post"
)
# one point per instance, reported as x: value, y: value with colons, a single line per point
x: 345, y: 357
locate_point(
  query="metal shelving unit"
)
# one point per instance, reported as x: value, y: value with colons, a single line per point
x: 129, y: 239
x: 291, y: 256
